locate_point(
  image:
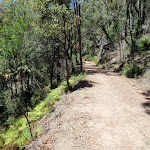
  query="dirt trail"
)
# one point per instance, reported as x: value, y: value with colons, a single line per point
x: 107, y: 113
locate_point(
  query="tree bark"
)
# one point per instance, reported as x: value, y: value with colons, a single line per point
x: 66, y: 58
x: 71, y: 53
x: 130, y: 21
x: 51, y: 75
x: 11, y: 87
x: 101, y: 50
x: 79, y: 38
x: 29, y: 125
x: 58, y: 65
x: 144, y: 12
x: 104, y: 30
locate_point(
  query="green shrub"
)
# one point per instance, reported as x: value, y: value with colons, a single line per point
x: 96, y: 59
x: 144, y: 43
x: 87, y: 57
x: 132, y: 70
x: 1, y: 141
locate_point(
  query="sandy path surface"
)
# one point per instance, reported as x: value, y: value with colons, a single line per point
x: 108, y: 112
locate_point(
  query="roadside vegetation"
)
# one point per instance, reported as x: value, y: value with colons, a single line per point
x: 17, y: 135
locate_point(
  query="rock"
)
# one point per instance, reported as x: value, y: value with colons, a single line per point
x: 118, y: 67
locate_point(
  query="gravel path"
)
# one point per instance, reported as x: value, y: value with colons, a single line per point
x: 108, y: 112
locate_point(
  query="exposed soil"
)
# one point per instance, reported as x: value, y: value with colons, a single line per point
x: 106, y: 112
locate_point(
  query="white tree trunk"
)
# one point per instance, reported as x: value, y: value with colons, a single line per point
x: 101, y: 49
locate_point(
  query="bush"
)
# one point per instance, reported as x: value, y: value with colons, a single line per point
x: 144, y: 43
x: 1, y: 141
x: 96, y: 59
x: 132, y: 70
x: 87, y: 57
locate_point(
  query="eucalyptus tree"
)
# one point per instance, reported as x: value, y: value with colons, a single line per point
x: 77, y: 13
x: 16, y: 45
x: 100, y: 18
x: 55, y: 22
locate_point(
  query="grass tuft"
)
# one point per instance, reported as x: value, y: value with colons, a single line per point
x: 96, y: 59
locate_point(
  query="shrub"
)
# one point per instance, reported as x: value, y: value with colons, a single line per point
x: 144, y: 43
x: 96, y: 59
x: 1, y: 141
x: 132, y: 70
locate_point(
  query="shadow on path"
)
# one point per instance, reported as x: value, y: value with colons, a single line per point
x: 147, y: 93
x: 146, y: 105
x: 92, y: 69
x: 82, y: 84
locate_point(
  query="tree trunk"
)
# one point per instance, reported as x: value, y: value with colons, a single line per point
x: 66, y: 58
x: 144, y: 12
x: 72, y: 66
x: 101, y: 50
x: 132, y: 40
x: 79, y: 38
x: 21, y: 79
x: 130, y: 21
x: 11, y: 87
x: 76, y: 13
x: 104, y: 30
x: 126, y: 23
x: 139, y: 8
x: 126, y: 29
x: 16, y: 88
x: 29, y: 125
x: 51, y: 75
x: 58, y: 71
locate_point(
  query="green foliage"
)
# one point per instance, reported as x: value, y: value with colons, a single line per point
x: 132, y: 70
x: 75, y: 79
x: 144, y: 43
x: 114, y: 30
x: 102, y: 21
x: 32, y: 53
x: 56, y: 94
x: 18, y: 132
x: 88, y: 57
x: 96, y: 59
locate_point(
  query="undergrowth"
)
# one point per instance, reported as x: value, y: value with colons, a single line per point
x: 18, y: 135
x: 144, y: 43
x: 96, y: 59
x: 132, y: 70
